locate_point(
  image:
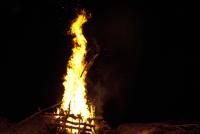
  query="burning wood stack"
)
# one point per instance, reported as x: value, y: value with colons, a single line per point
x: 75, y: 115
x: 65, y: 122
x: 79, y: 126
x: 70, y: 123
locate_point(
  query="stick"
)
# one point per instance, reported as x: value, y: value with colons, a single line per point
x: 37, y: 113
x: 87, y: 66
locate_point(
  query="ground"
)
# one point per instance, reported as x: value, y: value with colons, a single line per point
x: 38, y: 125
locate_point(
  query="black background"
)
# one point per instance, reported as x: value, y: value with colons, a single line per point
x: 147, y: 70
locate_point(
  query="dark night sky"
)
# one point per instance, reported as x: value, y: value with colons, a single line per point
x: 148, y: 68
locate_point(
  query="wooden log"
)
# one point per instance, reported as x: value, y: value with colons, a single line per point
x: 77, y: 123
x: 77, y: 128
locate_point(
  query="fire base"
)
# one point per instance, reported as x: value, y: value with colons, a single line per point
x: 74, y: 124
x: 71, y: 124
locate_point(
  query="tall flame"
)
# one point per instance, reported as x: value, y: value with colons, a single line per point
x: 74, y: 97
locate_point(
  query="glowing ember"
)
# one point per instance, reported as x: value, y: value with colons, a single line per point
x: 74, y: 99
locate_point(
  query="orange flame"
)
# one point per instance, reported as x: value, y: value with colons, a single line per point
x: 74, y: 97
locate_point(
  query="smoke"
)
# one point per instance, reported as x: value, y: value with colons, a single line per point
x: 100, y: 97
x: 104, y: 88
x: 111, y: 74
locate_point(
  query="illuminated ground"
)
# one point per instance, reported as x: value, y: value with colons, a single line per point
x: 37, y: 125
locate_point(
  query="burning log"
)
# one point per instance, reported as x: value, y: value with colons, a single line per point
x: 64, y: 122
x: 90, y: 63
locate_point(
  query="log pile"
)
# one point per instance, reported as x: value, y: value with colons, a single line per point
x: 63, y: 122
x: 92, y: 126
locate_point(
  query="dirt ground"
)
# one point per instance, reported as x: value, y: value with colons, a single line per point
x: 37, y: 125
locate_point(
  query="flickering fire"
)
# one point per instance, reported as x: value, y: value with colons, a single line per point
x: 75, y: 98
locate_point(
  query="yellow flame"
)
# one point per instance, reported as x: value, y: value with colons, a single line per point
x: 74, y: 98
